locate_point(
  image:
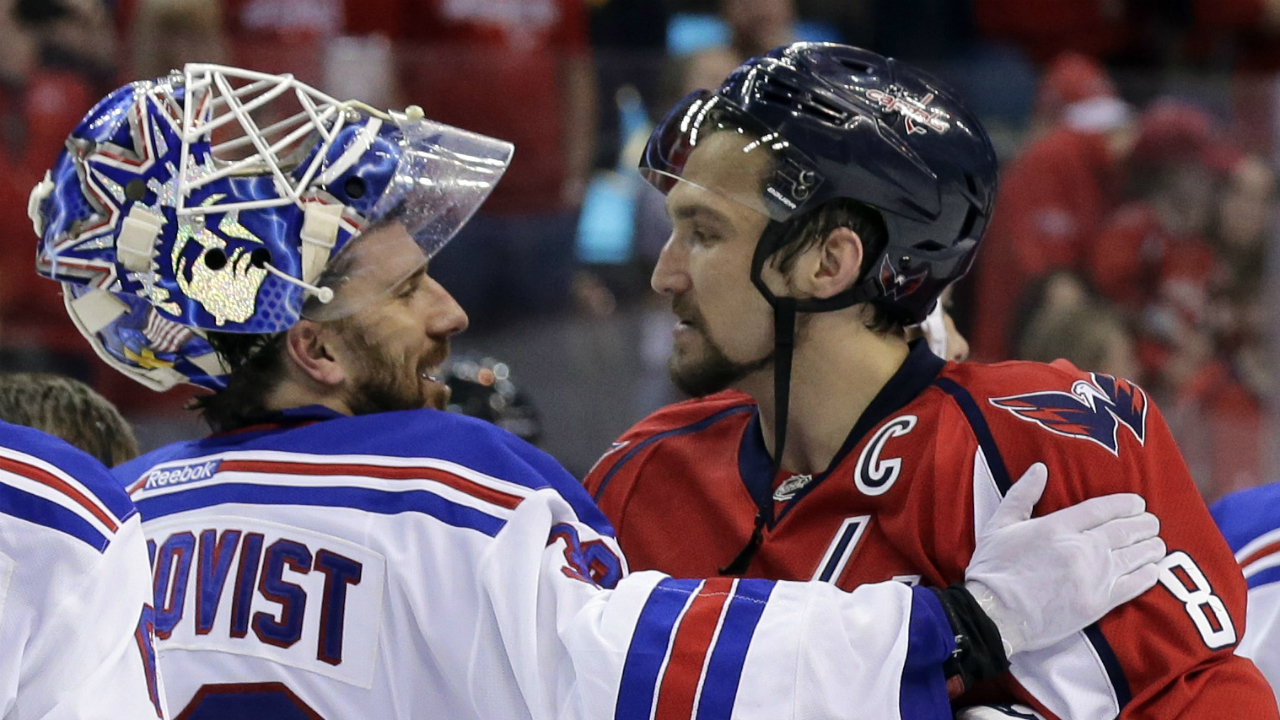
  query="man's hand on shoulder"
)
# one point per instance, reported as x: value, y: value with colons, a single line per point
x: 1042, y: 579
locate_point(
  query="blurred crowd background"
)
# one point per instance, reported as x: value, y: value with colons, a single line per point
x: 1134, y: 234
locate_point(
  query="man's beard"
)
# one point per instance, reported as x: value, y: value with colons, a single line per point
x: 714, y: 371
x: 385, y: 384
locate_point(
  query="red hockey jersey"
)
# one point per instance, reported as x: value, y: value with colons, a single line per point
x: 923, y: 469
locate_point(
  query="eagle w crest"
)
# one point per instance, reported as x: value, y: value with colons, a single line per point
x: 1094, y: 409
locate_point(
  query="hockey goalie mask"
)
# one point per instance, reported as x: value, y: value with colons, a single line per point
x: 223, y: 199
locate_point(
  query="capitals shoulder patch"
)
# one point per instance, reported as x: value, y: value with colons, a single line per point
x: 1094, y: 409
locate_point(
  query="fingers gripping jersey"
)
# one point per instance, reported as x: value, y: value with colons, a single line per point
x: 1250, y: 520
x: 75, y: 590
x: 424, y: 564
x: 925, y: 468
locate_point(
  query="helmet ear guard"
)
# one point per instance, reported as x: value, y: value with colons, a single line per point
x: 213, y: 199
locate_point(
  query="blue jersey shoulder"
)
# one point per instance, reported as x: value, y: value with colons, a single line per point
x: 1245, y: 515
x: 92, y: 475
x: 469, y: 442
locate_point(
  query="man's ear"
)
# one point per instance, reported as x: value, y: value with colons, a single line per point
x: 311, y: 348
x: 832, y: 266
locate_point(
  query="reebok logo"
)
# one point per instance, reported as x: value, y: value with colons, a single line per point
x: 159, y: 478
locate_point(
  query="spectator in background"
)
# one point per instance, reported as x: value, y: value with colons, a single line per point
x: 1074, y: 86
x: 1153, y: 258
x: 1156, y: 261
x: 755, y: 27
x: 1053, y: 199
x: 68, y: 409
x: 1091, y: 335
x: 519, y: 70
x: 168, y: 34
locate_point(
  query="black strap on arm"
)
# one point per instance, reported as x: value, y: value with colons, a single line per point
x: 979, y: 653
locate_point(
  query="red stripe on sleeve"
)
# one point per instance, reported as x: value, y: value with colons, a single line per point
x: 44, y: 477
x: 1258, y: 554
x: 461, y: 484
x: 689, y: 650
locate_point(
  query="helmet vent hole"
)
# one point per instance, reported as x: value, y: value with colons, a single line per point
x: 859, y: 68
x: 825, y: 111
x: 930, y: 246
x: 215, y: 259
x: 773, y: 96
x: 970, y: 219
x: 260, y: 257
x: 355, y: 187
x: 135, y: 189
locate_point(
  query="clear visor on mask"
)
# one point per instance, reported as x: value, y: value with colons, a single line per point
x: 787, y: 176
x: 443, y: 176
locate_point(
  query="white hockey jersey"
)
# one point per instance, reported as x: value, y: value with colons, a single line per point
x: 423, y: 564
x: 75, y: 588
x: 1250, y: 520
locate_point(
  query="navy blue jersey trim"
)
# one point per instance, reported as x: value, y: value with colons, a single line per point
x: 995, y: 461
x: 755, y: 466
x: 981, y: 431
x: 698, y: 426
x: 1115, y: 672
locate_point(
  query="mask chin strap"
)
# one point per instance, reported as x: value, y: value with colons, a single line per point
x: 785, y: 310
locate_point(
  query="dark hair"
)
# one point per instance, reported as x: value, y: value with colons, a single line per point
x: 257, y: 364
x: 808, y: 230
x: 70, y: 410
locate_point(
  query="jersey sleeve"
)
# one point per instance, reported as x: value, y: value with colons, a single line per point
x: 1170, y: 653
x: 586, y: 640
x: 84, y: 622
x: 1250, y: 521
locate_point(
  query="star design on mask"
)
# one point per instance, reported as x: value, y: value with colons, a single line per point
x: 107, y: 170
x: 146, y: 360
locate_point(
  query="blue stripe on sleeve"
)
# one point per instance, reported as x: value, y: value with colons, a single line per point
x: 930, y: 641
x: 35, y: 509
x: 649, y: 646
x: 1264, y: 577
x: 382, y: 502
x: 724, y: 672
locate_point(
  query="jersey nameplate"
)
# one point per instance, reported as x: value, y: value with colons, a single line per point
x: 284, y: 594
x: 874, y: 476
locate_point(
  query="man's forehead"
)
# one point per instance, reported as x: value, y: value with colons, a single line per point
x: 727, y: 164
x: 385, y: 250
x: 376, y: 262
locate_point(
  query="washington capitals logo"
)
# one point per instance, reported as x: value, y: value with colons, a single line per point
x: 919, y: 118
x: 896, y: 284
x: 1093, y: 410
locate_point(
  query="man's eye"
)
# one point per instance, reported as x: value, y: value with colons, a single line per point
x: 702, y: 237
x: 407, y: 290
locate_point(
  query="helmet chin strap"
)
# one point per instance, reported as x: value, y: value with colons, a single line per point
x: 785, y: 309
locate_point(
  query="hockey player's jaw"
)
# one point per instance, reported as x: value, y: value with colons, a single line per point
x: 395, y: 345
x: 722, y: 328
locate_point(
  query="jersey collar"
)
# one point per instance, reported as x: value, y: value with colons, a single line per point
x: 756, y: 467
x: 285, y: 420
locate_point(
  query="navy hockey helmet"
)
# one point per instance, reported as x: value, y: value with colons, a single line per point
x: 843, y: 122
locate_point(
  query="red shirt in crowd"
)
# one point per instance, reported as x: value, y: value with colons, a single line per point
x: 496, y: 68
x: 1052, y: 201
